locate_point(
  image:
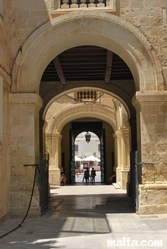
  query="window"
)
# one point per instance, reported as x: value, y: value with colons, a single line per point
x: 71, y: 5
x: 88, y: 96
x: 76, y: 149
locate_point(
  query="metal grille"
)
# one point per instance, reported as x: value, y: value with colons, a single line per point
x: 134, y: 180
x: 83, y: 3
x: 43, y: 179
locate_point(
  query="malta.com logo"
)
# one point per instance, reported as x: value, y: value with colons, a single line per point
x: 128, y: 242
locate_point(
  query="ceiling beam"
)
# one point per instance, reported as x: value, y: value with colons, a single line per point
x: 59, y: 70
x: 109, y: 59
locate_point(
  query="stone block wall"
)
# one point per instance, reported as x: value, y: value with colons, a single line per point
x: 5, y: 39
x: 148, y: 17
x: 25, y: 18
x: 24, y: 149
x: 152, y: 199
x: 5, y: 81
x: 4, y: 153
x: 151, y: 108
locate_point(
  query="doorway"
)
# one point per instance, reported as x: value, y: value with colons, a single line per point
x: 87, y: 156
x: 95, y: 128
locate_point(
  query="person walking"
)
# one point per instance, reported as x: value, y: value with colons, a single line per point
x: 86, y: 175
x: 93, y: 174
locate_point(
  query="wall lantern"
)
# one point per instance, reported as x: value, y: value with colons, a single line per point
x: 87, y: 137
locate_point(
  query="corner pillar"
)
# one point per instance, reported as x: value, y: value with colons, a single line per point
x: 54, y: 141
x: 24, y: 112
x: 152, y: 151
x: 123, y: 156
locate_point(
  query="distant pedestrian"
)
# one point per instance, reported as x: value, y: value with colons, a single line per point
x: 111, y: 179
x: 86, y: 175
x: 63, y: 179
x: 93, y: 174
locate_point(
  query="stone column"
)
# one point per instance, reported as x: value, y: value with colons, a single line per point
x: 151, y: 108
x: 24, y: 113
x: 65, y: 4
x: 54, y: 140
x: 4, y: 150
x: 55, y: 5
x: 91, y: 4
x: 123, y: 155
x: 115, y: 152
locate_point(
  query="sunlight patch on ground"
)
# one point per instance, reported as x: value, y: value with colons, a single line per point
x: 85, y: 190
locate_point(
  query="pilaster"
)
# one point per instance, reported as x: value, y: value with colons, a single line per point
x: 152, y: 149
x: 123, y: 155
x: 1, y: 110
x: 24, y: 109
x: 116, y: 153
x: 54, y: 140
x: 4, y: 150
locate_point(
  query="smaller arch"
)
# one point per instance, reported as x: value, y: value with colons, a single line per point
x: 85, y: 88
x: 68, y: 114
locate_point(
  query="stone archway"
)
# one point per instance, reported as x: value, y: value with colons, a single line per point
x: 83, y: 28
x: 113, y: 115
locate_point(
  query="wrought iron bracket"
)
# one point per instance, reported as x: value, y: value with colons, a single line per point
x: 141, y: 163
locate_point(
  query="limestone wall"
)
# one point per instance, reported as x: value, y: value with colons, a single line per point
x: 148, y: 17
x: 24, y: 149
x: 4, y: 153
x: 152, y: 120
x: 5, y: 80
x: 26, y: 17
x: 5, y: 38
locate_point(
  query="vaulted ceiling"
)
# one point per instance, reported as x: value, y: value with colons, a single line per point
x: 86, y: 63
x: 90, y: 67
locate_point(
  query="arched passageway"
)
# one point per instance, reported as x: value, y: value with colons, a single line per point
x: 108, y: 118
x: 32, y: 97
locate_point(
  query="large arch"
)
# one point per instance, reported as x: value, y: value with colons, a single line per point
x: 114, y: 34
x: 84, y: 28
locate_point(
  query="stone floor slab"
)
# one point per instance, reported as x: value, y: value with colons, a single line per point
x: 85, y: 216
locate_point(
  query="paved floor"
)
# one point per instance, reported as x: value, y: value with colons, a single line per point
x: 87, y: 217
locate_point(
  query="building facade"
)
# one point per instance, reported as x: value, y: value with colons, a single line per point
x: 45, y: 97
